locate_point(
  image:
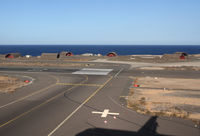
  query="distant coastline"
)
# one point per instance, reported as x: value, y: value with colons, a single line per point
x: 36, y: 50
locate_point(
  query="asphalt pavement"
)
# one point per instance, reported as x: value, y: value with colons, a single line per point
x: 60, y: 102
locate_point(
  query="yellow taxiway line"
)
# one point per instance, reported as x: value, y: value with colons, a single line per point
x: 78, y: 84
x: 68, y: 117
x: 20, y: 99
x: 40, y: 105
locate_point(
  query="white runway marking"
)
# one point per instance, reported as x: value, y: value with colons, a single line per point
x: 90, y: 71
x: 105, y: 113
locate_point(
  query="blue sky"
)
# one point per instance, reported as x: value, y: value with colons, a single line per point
x: 131, y: 22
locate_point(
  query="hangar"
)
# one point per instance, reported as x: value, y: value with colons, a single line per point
x: 66, y: 53
x: 111, y: 54
x: 13, y: 55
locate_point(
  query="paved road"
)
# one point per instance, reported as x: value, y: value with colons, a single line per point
x: 60, y: 103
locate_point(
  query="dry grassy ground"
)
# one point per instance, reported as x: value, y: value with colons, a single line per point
x: 166, y: 96
x: 9, y: 84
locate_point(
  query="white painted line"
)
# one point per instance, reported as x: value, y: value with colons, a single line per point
x: 105, y: 113
x: 96, y: 112
x: 119, y: 72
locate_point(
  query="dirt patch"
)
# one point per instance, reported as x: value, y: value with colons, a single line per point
x: 169, y: 83
x: 166, y: 96
x: 9, y: 84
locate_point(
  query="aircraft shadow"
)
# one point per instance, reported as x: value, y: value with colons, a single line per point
x: 149, y: 129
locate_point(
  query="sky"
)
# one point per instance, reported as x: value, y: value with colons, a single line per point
x: 100, y: 22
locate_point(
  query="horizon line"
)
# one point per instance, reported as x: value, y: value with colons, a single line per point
x: 100, y: 44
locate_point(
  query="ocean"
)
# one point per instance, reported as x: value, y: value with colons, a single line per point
x: 36, y: 50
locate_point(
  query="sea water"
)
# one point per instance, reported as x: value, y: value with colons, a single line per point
x: 36, y: 50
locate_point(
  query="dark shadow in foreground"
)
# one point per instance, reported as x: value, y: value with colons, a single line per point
x: 149, y: 129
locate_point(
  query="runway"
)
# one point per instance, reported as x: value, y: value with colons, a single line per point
x: 81, y: 102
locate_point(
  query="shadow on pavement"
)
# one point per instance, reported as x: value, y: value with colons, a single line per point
x: 149, y: 129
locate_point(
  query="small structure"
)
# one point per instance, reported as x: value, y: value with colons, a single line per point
x: 111, y: 54
x: 175, y: 56
x: 50, y: 55
x: 28, y: 56
x: 98, y: 55
x: 69, y: 54
x: 66, y: 54
x: 13, y: 55
x: 182, y: 55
